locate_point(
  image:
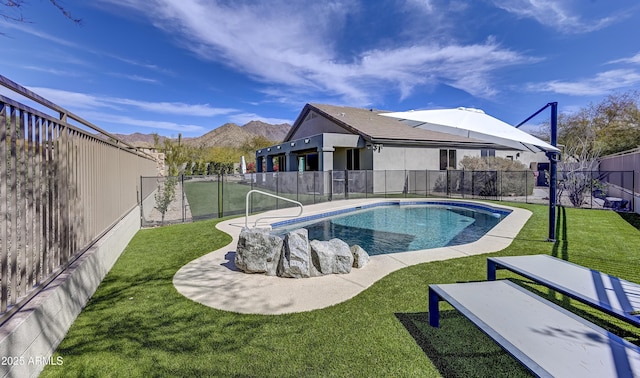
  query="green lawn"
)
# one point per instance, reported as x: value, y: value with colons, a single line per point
x: 138, y: 325
x: 204, y: 201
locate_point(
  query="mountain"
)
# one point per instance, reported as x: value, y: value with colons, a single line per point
x: 269, y: 131
x: 229, y: 134
x: 139, y: 139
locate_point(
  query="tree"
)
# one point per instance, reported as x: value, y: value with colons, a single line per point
x: 576, y: 168
x: 188, y: 169
x: 250, y: 145
x: 176, y: 154
x: 617, y: 123
x: 165, y: 195
x: 494, y: 176
x: 611, y: 126
x: 475, y: 163
x: 16, y: 6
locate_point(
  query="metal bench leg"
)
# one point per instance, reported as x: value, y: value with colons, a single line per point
x: 491, y: 270
x: 434, y: 308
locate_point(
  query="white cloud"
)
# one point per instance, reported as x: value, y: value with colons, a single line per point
x: 630, y: 60
x: 89, y: 105
x: 75, y: 100
x: 602, y: 84
x: 137, y: 78
x: 555, y: 14
x: 294, y: 44
x: 48, y: 37
x: 178, y: 108
x: 98, y: 117
x: 53, y: 71
x: 244, y: 118
x: 424, y: 5
x: 70, y: 100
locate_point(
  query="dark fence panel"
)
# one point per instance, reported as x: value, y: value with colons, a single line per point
x: 217, y: 196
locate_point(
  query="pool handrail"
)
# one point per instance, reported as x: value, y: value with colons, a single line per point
x: 246, y: 209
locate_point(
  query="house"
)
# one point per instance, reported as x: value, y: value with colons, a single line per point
x: 334, y: 138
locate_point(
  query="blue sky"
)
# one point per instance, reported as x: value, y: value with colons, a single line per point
x: 189, y: 66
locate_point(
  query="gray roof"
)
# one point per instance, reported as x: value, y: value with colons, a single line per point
x: 375, y: 128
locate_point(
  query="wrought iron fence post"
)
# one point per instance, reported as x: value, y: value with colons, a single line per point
x: 385, y: 183
x: 184, y: 205
x: 366, y: 184
x: 426, y: 182
x: 220, y: 195
x: 346, y: 184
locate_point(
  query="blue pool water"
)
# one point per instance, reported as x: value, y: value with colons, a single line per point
x: 399, y: 227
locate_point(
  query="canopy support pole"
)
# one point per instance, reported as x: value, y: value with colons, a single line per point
x: 553, y: 160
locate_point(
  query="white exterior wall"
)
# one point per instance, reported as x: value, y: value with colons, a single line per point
x: 366, y: 159
x: 398, y: 159
x: 406, y: 158
x: 526, y: 157
x: 339, y: 159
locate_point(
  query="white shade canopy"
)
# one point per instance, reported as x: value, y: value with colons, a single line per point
x: 473, y: 123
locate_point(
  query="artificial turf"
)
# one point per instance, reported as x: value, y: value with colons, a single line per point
x: 138, y: 325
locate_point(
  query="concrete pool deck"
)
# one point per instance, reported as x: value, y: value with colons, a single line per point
x: 213, y: 279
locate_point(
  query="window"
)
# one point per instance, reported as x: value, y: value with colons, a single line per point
x: 279, y: 164
x: 487, y: 153
x: 353, y: 159
x: 448, y: 159
x: 310, y: 161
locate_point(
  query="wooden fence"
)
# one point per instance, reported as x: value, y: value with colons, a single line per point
x: 61, y: 189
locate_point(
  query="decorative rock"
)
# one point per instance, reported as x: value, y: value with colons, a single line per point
x: 321, y: 258
x: 258, y: 251
x: 295, y: 257
x: 344, y: 257
x: 295, y: 261
x: 360, y: 256
x: 333, y: 256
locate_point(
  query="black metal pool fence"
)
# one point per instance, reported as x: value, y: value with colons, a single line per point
x: 186, y: 198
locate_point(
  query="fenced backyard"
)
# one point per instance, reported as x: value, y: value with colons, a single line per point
x: 65, y: 185
x: 205, y: 197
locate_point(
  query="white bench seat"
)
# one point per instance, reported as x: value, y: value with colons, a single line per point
x: 546, y: 338
x: 608, y: 293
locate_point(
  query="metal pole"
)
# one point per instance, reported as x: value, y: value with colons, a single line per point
x: 553, y: 160
x: 184, y: 208
x: 553, y: 171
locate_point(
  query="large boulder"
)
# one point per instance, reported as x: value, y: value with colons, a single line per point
x: 258, y: 251
x: 296, y: 260
x: 295, y: 257
x: 360, y: 256
x: 333, y: 256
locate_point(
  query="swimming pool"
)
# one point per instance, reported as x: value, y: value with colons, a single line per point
x: 390, y: 227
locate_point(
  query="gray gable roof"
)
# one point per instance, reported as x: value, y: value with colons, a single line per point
x: 378, y: 129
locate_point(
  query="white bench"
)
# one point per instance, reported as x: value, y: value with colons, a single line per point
x: 608, y: 293
x: 546, y: 338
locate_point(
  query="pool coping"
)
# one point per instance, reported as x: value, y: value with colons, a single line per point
x: 214, y: 281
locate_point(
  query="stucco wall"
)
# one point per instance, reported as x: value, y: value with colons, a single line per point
x: 316, y: 125
x: 406, y: 158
